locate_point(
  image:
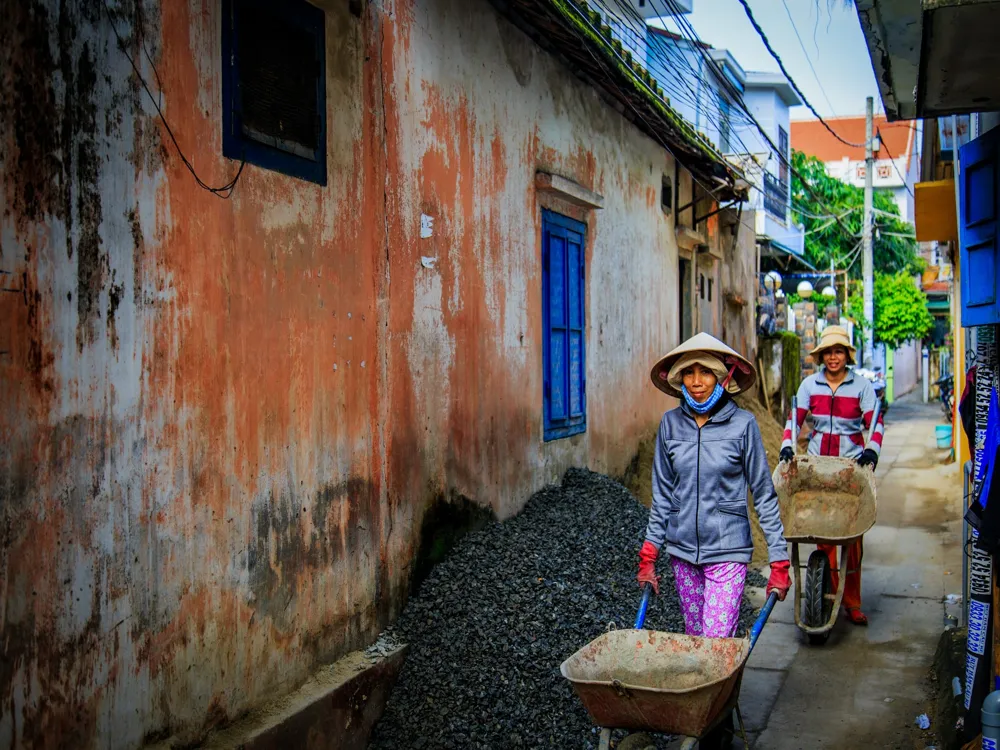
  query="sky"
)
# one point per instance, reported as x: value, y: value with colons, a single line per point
x: 831, y: 36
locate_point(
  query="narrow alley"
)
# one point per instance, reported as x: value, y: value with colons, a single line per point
x: 866, y: 686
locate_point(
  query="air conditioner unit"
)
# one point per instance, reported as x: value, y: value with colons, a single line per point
x: 656, y: 8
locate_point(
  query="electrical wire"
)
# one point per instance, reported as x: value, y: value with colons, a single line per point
x: 654, y: 54
x: 661, y: 141
x: 224, y: 191
x: 777, y: 59
x: 808, y: 59
x: 881, y: 142
x: 669, y: 69
x: 682, y: 22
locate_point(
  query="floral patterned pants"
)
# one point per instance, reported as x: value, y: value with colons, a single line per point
x: 710, y: 596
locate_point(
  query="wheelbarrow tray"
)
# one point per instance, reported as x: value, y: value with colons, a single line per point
x: 825, y: 499
x: 657, y: 682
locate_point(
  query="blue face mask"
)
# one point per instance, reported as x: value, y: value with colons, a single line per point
x: 705, y: 406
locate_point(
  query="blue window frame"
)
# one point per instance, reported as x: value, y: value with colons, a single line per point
x: 274, y: 86
x: 564, y: 304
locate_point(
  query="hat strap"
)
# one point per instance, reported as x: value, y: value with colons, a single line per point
x: 731, y: 360
x: 732, y: 371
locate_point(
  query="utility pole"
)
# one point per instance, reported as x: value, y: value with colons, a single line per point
x: 868, y: 266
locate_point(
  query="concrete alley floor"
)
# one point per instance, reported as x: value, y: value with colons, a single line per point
x: 864, y: 688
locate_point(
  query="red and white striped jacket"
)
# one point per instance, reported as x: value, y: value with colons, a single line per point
x: 840, y: 421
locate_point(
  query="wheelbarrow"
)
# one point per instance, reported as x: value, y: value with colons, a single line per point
x: 823, y: 500
x: 649, y: 681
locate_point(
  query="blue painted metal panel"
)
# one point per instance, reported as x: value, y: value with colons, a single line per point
x: 564, y: 330
x: 979, y: 194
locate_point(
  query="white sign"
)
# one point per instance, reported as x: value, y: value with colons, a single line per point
x: 426, y: 226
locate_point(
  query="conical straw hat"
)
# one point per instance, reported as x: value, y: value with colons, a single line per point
x: 743, y: 378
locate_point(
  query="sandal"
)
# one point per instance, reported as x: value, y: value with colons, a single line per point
x: 856, y: 616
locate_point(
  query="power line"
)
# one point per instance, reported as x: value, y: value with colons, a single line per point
x: 225, y: 191
x: 683, y: 23
x: 808, y: 59
x: 881, y: 142
x: 662, y: 142
x: 669, y: 68
x: 777, y: 59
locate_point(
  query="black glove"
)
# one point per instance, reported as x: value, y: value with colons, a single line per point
x: 868, y: 457
x: 787, y: 454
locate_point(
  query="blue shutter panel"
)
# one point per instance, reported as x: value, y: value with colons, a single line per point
x: 576, y: 360
x: 558, y: 331
x: 978, y: 216
x: 564, y: 329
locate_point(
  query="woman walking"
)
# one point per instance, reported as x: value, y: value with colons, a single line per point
x: 842, y: 405
x: 708, y: 453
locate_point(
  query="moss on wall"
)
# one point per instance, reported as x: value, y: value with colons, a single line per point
x: 791, y: 364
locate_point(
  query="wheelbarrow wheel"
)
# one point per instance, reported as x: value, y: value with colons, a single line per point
x: 638, y: 741
x: 818, y: 608
x: 721, y: 737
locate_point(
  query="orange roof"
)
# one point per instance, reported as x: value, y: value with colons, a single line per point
x: 937, y: 287
x: 811, y: 138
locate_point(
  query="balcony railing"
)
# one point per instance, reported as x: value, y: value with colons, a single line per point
x: 775, y: 196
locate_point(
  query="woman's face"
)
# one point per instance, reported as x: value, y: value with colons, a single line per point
x: 835, y: 359
x: 699, y: 382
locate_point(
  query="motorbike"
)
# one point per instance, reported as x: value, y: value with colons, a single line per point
x: 877, y: 379
x: 946, y: 386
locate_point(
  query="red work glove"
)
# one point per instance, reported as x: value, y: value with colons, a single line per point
x: 647, y: 566
x: 779, y: 581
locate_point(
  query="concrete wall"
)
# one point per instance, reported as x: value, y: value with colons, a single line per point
x: 906, y: 368
x: 738, y: 272
x: 224, y: 419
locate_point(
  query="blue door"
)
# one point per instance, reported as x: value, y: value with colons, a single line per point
x: 978, y: 216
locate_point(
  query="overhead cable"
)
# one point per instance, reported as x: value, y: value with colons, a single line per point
x: 223, y: 191
x: 684, y: 24
x: 777, y: 59
x: 805, y: 52
x: 881, y: 141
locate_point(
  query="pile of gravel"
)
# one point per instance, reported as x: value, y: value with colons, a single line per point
x: 493, y: 622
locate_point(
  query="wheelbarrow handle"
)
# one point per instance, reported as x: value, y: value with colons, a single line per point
x: 765, y: 612
x: 647, y: 594
x: 758, y: 625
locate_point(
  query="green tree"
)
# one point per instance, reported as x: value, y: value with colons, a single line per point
x: 901, y: 312
x: 893, y: 249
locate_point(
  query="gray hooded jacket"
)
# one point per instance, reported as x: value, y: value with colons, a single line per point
x: 700, y: 481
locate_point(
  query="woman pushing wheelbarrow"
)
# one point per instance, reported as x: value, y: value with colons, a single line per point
x: 708, y: 453
x: 843, y: 406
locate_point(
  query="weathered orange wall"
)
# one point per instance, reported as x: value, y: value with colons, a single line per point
x: 191, y: 472
x: 223, y: 419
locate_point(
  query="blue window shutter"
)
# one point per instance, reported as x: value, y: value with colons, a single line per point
x: 564, y: 325
x: 979, y: 212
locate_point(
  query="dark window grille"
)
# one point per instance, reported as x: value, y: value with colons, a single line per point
x: 274, y: 87
x: 775, y: 196
x: 725, y: 128
x: 784, y: 157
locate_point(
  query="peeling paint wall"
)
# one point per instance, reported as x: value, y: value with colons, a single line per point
x: 190, y: 474
x: 224, y: 419
x: 738, y: 277
x: 489, y: 109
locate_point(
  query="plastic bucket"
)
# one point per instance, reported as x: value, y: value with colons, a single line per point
x: 943, y: 434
